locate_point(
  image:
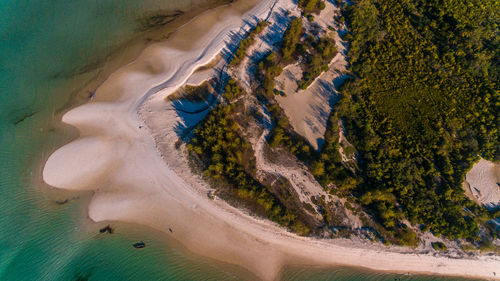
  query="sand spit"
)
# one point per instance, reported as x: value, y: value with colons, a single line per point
x: 138, y: 180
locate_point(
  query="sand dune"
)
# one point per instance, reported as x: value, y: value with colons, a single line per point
x: 134, y: 181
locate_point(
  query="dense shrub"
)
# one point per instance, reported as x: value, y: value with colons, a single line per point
x: 323, y: 52
x: 291, y: 38
x: 439, y: 246
x: 228, y: 159
x: 232, y: 90
x: 311, y: 5
x: 422, y: 106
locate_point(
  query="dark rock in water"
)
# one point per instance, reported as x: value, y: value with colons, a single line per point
x: 62, y: 202
x: 107, y: 229
x: 139, y: 245
x: 65, y: 201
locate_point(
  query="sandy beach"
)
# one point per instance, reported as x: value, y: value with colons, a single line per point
x: 126, y: 155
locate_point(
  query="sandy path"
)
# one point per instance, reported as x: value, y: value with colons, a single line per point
x: 301, y: 180
x: 116, y: 156
x: 267, y: 41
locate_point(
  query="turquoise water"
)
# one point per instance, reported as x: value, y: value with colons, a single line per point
x: 43, y: 44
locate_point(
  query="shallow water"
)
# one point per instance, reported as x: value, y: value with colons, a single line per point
x: 48, y: 50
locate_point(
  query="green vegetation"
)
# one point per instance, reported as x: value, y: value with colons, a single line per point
x: 291, y: 38
x: 200, y: 93
x: 423, y: 104
x: 272, y: 66
x: 323, y: 52
x: 439, y: 246
x: 321, y: 5
x: 328, y: 168
x: 232, y: 90
x: 495, y: 214
x: 227, y: 159
x: 269, y: 68
x: 318, y: 52
x: 488, y: 246
x: 247, y: 42
x: 468, y: 248
x: 283, y: 134
x: 312, y: 5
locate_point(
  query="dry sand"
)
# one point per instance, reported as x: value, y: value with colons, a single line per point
x: 308, y: 110
x: 300, y: 179
x: 116, y: 156
x: 483, y: 182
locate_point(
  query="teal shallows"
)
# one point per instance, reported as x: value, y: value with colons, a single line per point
x: 42, y: 45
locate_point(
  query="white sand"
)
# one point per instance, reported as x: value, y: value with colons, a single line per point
x: 483, y: 183
x: 299, y: 177
x: 267, y: 41
x: 308, y: 110
x: 132, y: 182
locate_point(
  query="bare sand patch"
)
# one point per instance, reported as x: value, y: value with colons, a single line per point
x: 483, y: 183
x: 308, y: 110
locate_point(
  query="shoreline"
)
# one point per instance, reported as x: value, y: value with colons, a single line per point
x: 118, y: 159
x: 89, y: 77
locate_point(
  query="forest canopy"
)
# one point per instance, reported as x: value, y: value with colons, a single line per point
x: 422, y: 106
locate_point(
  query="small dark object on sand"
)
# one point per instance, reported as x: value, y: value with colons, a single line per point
x: 140, y: 245
x: 107, y: 229
x: 170, y: 229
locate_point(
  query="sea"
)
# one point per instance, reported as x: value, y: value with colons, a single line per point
x: 49, y: 49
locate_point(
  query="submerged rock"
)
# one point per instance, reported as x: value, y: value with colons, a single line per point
x: 107, y: 229
x: 139, y: 245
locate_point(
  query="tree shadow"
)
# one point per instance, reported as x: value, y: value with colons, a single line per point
x: 272, y: 38
x: 191, y: 114
x: 276, y: 30
x: 328, y: 92
x: 235, y: 37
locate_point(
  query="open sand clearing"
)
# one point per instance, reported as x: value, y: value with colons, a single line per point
x: 116, y: 156
x: 484, y: 183
x: 308, y: 110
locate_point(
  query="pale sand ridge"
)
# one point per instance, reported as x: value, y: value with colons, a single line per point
x: 117, y: 157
